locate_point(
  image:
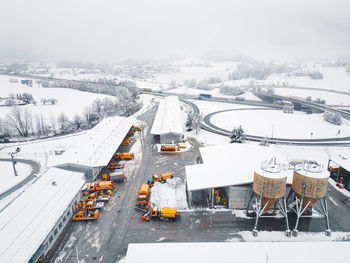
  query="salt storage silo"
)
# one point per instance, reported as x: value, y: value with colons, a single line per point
x: 309, y: 190
x: 269, y: 189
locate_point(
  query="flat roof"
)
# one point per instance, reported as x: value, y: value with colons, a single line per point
x: 168, y: 118
x: 96, y: 148
x: 25, y: 223
x: 231, y: 164
x: 342, y: 160
x: 247, y: 252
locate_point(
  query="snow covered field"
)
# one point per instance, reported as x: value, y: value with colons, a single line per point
x: 70, y: 101
x: 277, y: 124
x: 8, y: 177
x: 333, y: 78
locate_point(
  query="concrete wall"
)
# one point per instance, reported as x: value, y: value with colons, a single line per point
x: 238, y: 196
x: 170, y: 138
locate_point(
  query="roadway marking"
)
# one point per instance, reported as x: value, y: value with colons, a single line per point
x: 332, y: 200
x: 131, y: 199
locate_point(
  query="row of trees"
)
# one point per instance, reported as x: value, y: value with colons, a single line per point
x: 258, y: 70
x: 21, y: 123
x: 231, y: 91
x: 202, y: 84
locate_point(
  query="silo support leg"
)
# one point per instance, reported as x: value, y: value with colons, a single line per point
x: 283, y: 207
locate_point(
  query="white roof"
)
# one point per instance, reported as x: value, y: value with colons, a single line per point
x: 232, y: 164
x: 341, y: 160
x: 168, y: 118
x: 97, y: 147
x: 247, y: 252
x: 25, y: 224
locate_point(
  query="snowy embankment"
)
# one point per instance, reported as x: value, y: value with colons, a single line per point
x: 170, y: 194
x: 8, y: 177
x: 277, y: 124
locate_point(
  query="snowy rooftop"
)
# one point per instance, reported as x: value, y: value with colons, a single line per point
x: 232, y: 164
x: 168, y: 118
x: 28, y: 220
x: 248, y: 252
x: 97, y: 147
x: 341, y: 160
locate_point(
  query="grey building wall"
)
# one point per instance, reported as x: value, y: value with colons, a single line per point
x: 171, y: 138
x: 238, y: 196
x: 90, y: 172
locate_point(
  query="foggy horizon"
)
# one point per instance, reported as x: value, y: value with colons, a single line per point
x: 114, y: 31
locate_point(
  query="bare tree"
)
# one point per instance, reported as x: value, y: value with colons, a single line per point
x: 20, y: 120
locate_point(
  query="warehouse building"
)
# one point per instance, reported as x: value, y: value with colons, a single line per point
x: 94, y: 150
x: 228, y: 171
x: 33, y: 222
x: 339, y: 167
x: 168, y: 125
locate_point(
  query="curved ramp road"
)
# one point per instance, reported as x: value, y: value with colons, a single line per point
x: 35, y: 170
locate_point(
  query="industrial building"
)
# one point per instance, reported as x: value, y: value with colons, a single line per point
x: 32, y: 223
x: 94, y: 150
x: 168, y: 127
x: 229, y: 169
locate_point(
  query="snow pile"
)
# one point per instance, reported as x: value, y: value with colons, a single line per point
x: 170, y: 194
x: 273, y: 236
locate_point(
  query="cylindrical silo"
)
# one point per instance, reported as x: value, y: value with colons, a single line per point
x: 270, y: 182
x: 311, y: 181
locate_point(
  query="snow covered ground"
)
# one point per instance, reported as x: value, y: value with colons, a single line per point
x: 277, y: 124
x: 8, y: 177
x: 70, y: 102
x: 333, y: 78
x: 171, y: 194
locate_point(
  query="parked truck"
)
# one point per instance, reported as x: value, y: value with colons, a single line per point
x: 96, y: 186
x: 171, y: 147
x: 116, y: 177
x: 162, y: 177
x: 114, y: 165
x: 125, y: 156
x: 143, y: 197
x: 127, y: 141
x: 86, y: 215
x: 156, y: 213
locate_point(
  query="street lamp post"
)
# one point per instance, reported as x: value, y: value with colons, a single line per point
x: 13, y: 160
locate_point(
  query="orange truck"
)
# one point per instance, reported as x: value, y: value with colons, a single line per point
x: 168, y: 148
x: 125, y: 156
x: 155, y: 212
x: 127, y: 141
x: 143, y: 197
x: 97, y: 186
x: 86, y: 215
x: 162, y: 177
x: 113, y: 165
x: 116, y: 177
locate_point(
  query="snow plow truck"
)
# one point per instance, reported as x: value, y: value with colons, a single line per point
x: 155, y: 213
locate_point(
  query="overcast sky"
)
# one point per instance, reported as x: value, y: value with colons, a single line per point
x: 114, y: 30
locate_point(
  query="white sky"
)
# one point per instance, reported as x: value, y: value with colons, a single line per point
x: 112, y: 30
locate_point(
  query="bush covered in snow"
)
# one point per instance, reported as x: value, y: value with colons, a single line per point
x: 231, y: 91
x: 334, y: 118
x: 257, y: 70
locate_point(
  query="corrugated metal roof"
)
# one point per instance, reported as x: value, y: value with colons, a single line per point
x: 168, y: 118
x: 25, y: 223
x: 97, y: 147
